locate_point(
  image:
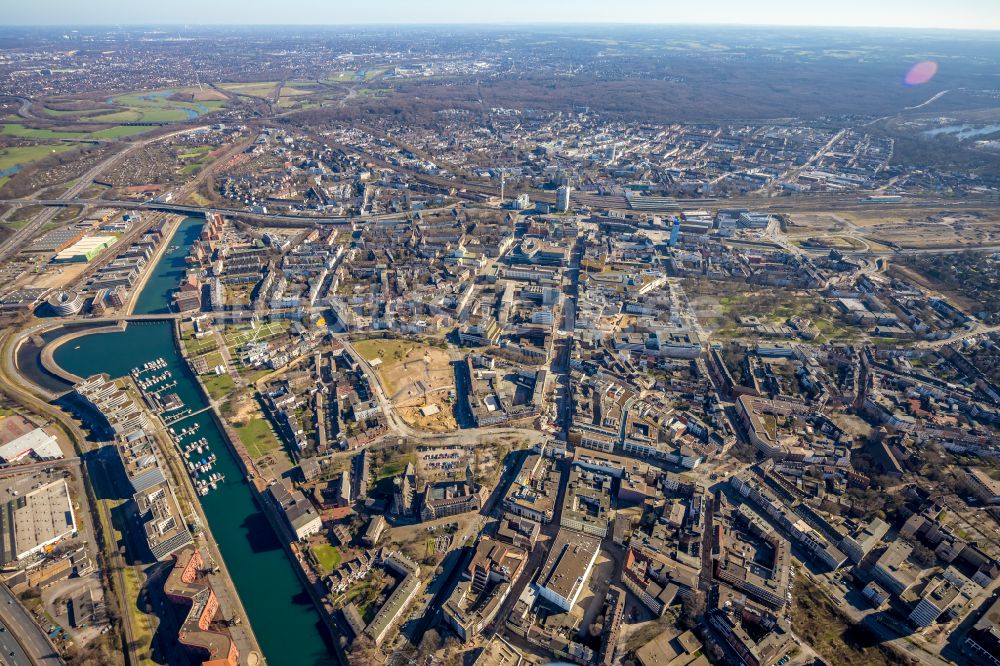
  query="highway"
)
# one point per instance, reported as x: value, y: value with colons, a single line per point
x: 190, y: 209
x: 28, y: 231
x: 22, y: 640
x: 11, y: 651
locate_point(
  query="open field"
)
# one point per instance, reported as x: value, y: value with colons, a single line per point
x: 945, y: 229
x: 24, y: 132
x: 406, y: 367
x: 900, y: 226
x: 17, y: 156
x: 256, y: 435
x: 904, y: 227
x: 58, y: 277
x: 115, y: 132
x: 118, y: 132
x: 295, y: 90
x: 327, y: 556
x: 218, y: 386
x: 260, y: 89
x: 416, y: 376
x: 354, y: 75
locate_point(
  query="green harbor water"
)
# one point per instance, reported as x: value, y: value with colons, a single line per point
x: 287, y: 625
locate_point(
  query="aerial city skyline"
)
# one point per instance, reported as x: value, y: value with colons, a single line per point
x: 454, y: 334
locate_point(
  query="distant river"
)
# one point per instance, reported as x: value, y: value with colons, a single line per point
x: 963, y: 131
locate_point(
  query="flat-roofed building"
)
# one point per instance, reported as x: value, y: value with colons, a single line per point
x: 162, y: 521
x: 33, y: 521
x: 587, y: 502
x: 533, y: 492
x: 123, y: 415
x: 672, y: 649
x: 301, y: 518
x: 894, y: 571
x: 985, y: 487
x: 565, y: 572
x: 36, y: 444
x: 85, y: 249
x: 948, y: 595
x: 982, y: 643
x: 857, y: 545
x: 758, y: 416
x: 876, y: 594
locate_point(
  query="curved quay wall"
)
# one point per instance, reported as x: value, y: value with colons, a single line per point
x: 287, y: 626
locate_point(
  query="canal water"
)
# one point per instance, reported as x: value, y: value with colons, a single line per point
x: 280, y: 611
x: 156, y: 295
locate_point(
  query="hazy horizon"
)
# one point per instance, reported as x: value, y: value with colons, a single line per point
x: 975, y: 15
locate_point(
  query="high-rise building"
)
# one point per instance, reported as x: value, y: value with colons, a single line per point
x: 562, y: 198
x: 675, y: 231
x: 521, y: 202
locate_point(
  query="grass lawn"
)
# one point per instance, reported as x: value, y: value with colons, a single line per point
x: 218, y: 386
x: 291, y: 91
x: 197, y: 346
x: 214, y: 358
x: 395, y: 466
x: 16, y: 156
x: 142, y: 624
x: 257, y: 436
x: 327, y: 556
x: 387, y: 350
x: 340, y: 77
x: 254, y: 376
x: 259, y: 89
x: 118, y: 132
x: 241, y: 336
x: 19, y: 130
x: 63, y: 112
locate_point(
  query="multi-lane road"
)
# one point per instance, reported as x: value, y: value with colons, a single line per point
x: 22, y: 641
x: 11, y: 652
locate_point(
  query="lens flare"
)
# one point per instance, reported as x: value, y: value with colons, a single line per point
x: 920, y: 73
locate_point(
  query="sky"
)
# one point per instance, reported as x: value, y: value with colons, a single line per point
x: 952, y: 14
